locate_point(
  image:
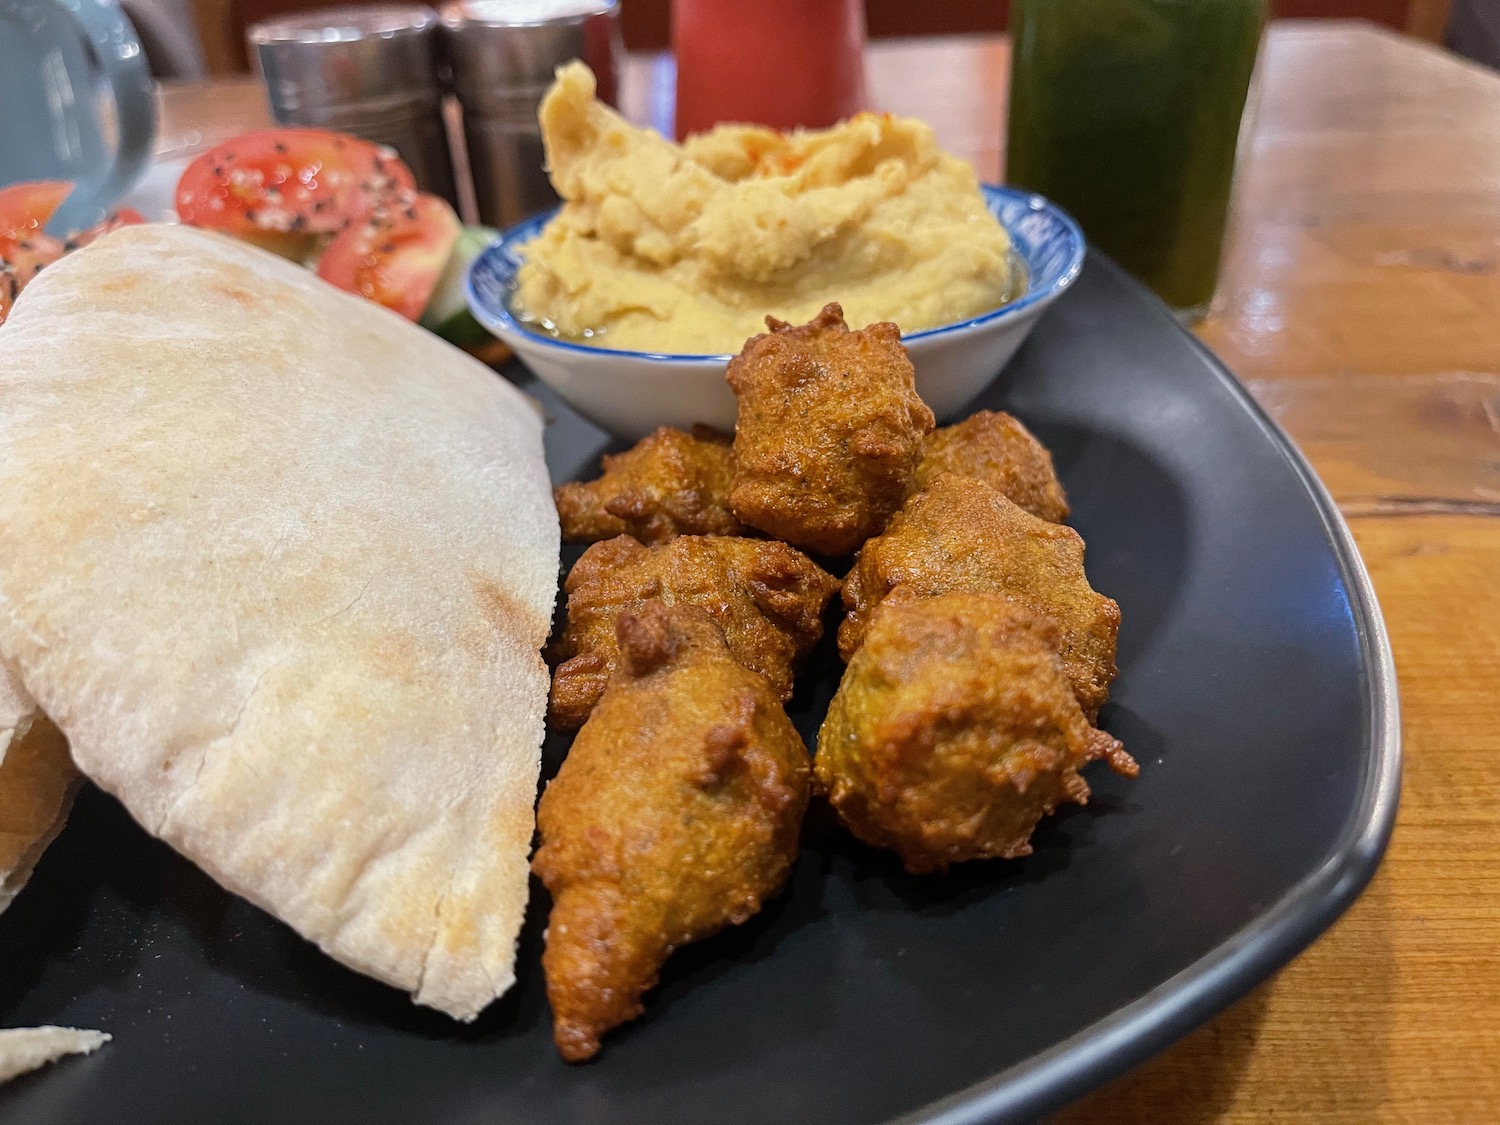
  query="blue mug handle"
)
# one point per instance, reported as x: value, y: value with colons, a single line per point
x: 123, y: 61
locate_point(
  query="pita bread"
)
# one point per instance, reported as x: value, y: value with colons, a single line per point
x: 279, y: 565
x: 37, y: 783
x: 28, y: 1048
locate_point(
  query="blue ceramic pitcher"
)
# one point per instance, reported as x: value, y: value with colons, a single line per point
x: 60, y: 61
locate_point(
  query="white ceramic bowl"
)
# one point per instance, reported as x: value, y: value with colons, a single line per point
x: 632, y: 393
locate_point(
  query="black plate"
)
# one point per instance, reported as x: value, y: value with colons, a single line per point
x: 1256, y: 689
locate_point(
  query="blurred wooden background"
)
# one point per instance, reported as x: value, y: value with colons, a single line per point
x: 647, y: 23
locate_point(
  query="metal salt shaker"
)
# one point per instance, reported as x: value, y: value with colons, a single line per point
x: 503, y: 54
x: 374, y: 72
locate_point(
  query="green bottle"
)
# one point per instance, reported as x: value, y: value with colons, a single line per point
x: 1127, y: 113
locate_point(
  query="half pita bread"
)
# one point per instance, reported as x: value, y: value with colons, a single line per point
x: 37, y: 784
x: 24, y: 1049
x: 279, y: 564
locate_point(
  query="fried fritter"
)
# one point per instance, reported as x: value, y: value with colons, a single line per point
x: 766, y: 597
x: 961, y: 534
x: 994, y: 447
x: 675, y: 814
x: 668, y: 484
x: 830, y: 430
x: 955, y: 730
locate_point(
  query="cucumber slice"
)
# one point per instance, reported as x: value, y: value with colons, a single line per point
x: 447, y: 314
x: 461, y: 330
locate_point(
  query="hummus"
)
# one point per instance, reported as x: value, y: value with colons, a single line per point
x: 685, y: 249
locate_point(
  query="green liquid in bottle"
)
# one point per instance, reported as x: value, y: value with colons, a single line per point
x: 1126, y: 113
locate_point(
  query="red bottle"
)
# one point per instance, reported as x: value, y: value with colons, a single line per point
x: 783, y: 63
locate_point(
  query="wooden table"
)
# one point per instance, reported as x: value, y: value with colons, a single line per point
x: 1361, y: 302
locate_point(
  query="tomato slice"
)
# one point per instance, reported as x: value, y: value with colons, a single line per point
x: 20, y: 262
x: 297, y: 182
x: 27, y: 207
x: 25, y: 248
x: 395, y: 254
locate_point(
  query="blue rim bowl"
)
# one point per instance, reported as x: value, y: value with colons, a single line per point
x: 1045, y: 236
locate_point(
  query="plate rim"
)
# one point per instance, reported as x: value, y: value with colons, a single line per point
x: 1130, y: 1035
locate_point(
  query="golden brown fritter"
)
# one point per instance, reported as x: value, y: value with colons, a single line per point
x: 830, y: 430
x: 670, y: 483
x: 675, y: 814
x: 954, y: 730
x: 960, y: 534
x: 766, y: 597
x: 994, y: 447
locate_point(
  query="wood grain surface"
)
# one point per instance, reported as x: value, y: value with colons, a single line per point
x: 1360, y: 301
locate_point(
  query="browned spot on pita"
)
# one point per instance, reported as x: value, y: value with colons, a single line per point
x: 397, y: 656
x: 502, y: 609
x: 238, y: 284
x: 125, y: 283
x: 236, y: 294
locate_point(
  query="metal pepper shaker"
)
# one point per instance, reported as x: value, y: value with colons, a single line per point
x: 503, y: 54
x: 374, y: 72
